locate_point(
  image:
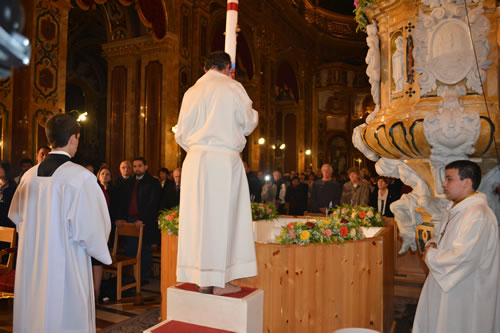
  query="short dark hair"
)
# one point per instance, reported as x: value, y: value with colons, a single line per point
x: 164, y: 170
x: 139, y: 158
x: 383, y: 178
x: 467, y: 169
x: 218, y: 60
x: 43, y: 147
x: 355, y: 170
x: 59, y: 128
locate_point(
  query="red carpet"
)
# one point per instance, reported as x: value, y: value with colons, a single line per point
x: 180, y: 327
x: 245, y: 291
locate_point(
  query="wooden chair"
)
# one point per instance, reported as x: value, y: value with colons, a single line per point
x: 8, y: 235
x: 121, y: 261
x: 7, y: 273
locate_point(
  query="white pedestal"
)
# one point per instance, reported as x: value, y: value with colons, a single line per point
x: 226, y: 313
x: 267, y: 231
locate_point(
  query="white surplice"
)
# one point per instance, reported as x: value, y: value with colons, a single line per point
x: 62, y: 220
x: 215, y: 222
x: 461, y: 292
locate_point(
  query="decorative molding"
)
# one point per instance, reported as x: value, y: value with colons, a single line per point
x: 5, y: 87
x: 117, y: 19
x: 357, y: 141
x: 46, y: 51
x: 137, y: 46
x: 328, y: 24
x: 443, y: 48
x: 452, y: 132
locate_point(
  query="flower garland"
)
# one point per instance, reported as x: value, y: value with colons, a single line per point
x: 359, y: 13
x: 168, y: 221
x: 363, y: 216
x: 342, y: 225
x: 262, y: 211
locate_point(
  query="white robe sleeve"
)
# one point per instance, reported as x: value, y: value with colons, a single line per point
x: 89, y: 223
x: 186, y: 121
x: 449, y: 267
x: 18, y: 205
x: 246, y: 117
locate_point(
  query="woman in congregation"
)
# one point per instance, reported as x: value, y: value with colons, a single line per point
x: 381, y: 198
x: 105, y: 182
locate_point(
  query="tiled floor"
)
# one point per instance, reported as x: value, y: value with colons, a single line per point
x: 107, y: 314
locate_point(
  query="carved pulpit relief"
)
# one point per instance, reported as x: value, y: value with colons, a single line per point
x: 451, y: 133
x: 398, y: 65
x: 373, y: 61
x: 404, y: 209
x: 443, y: 46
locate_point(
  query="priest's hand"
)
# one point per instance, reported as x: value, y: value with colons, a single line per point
x: 138, y: 224
x: 118, y: 223
x: 427, y: 247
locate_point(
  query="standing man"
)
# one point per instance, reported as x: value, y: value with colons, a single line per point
x: 171, y: 192
x: 125, y: 173
x: 461, y: 292
x: 355, y: 191
x: 254, y: 183
x: 62, y: 219
x: 140, y: 206
x: 215, y: 235
x: 325, y: 192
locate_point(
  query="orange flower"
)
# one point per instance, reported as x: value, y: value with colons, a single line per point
x: 362, y: 214
x: 343, y: 231
x: 289, y: 226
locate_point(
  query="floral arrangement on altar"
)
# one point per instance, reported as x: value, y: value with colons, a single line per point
x: 263, y: 211
x: 342, y: 225
x: 359, y: 13
x: 168, y: 221
x: 363, y: 216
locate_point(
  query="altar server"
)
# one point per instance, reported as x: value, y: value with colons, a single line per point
x: 461, y: 292
x: 62, y: 220
x: 215, y: 222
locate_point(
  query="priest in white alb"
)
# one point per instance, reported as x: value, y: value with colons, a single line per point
x: 62, y: 220
x: 215, y: 221
x: 461, y: 292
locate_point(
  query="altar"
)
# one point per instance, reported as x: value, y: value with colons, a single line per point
x: 318, y: 287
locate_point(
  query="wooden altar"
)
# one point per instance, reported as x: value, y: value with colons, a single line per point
x: 315, y: 288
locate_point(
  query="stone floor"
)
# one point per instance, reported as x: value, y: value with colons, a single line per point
x: 110, y: 314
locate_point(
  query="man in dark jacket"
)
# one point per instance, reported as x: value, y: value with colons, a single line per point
x: 140, y: 206
x: 254, y: 184
x: 325, y: 192
x: 171, y: 192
